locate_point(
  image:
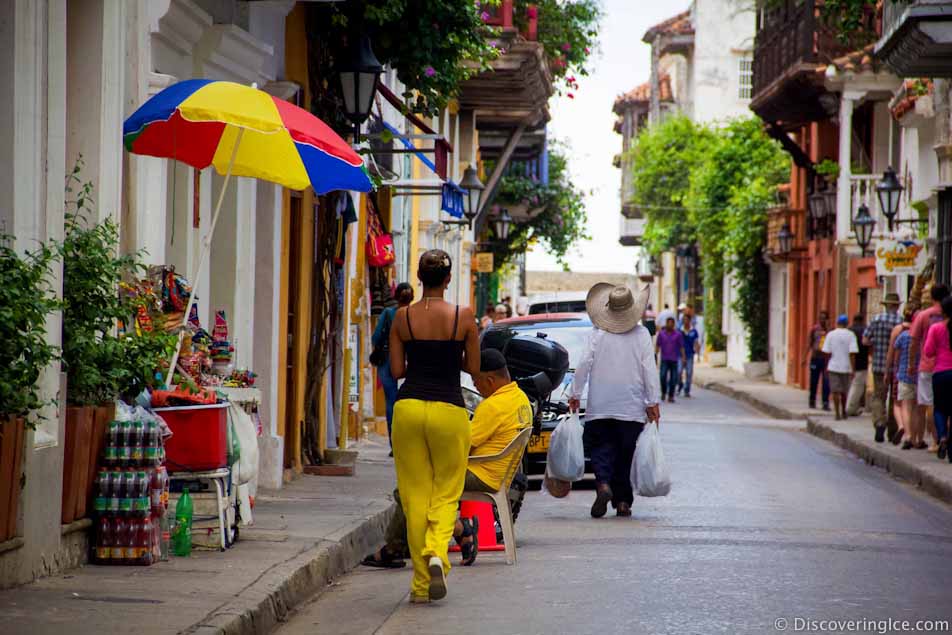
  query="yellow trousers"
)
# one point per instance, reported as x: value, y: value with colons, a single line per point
x: 430, y: 451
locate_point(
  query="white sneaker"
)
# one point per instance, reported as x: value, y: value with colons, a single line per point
x: 437, y: 579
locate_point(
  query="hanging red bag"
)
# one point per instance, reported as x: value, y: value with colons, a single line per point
x: 380, y: 251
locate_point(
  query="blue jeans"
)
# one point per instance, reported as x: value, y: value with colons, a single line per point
x: 686, y: 375
x: 942, y: 412
x: 669, y: 377
x: 818, y: 371
x: 390, y: 394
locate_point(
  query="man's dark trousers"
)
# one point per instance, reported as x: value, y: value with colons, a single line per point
x: 611, y: 445
x: 818, y: 371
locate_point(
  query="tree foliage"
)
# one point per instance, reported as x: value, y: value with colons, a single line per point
x: 27, y: 299
x: 712, y: 186
x: 568, y: 30
x: 101, y: 364
x: 664, y: 157
x: 561, y: 223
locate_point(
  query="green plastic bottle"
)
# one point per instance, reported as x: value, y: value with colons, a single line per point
x: 182, y: 538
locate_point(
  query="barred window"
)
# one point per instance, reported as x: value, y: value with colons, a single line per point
x: 745, y: 77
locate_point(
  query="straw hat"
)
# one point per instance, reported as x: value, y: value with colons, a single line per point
x: 891, y: 299
x: 615, y: 309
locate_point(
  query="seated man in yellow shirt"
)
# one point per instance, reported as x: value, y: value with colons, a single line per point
x: 503, y: 413
x: 498, y: 419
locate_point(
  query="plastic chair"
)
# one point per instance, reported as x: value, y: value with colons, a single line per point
x: 514, y: 452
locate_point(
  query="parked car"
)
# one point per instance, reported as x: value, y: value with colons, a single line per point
x: 571, y: 330
x: 560, y: 303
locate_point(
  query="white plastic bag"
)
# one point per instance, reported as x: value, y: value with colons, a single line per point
x: 649, y: 473
x: 566, y: 460
x: 244, y: 428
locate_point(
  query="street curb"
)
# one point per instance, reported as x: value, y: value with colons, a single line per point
x: 903, y: 469
x: 266, y: 602
x: 927, y: 482
x: 767, y: 408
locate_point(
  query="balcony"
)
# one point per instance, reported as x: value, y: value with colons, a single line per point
x: 790, y: 50
x: 517, y: 88
x: 917, y: 38
x: 863, y: 192
x: 632, y: 231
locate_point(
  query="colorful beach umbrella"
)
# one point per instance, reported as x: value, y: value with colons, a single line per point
x: 242, y: 131
x: 198, y: 121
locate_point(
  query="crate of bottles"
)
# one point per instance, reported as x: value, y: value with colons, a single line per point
x: 132, y: 495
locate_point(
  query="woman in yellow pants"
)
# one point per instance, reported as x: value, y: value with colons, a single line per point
x: 431, y: 341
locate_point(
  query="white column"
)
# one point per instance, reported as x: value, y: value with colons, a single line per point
x: 243, y: 320
x: 96, y: 43
x: 843, y: 194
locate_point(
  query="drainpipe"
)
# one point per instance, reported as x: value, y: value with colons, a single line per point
x: 654, y: 114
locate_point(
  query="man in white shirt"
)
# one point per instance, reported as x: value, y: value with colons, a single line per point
x: 624, y: 390
x: 841, y: 347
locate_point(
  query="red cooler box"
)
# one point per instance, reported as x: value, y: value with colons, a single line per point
x: 199, y: 440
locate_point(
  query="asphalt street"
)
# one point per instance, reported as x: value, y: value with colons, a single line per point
x: 765, y: 526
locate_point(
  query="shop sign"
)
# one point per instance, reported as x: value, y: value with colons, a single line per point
x: 484, y: 262
x: 898, y: 257
x: 353, y: 391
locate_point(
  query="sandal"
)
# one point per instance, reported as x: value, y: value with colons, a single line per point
x: 383, y: 559
x: 469, y: 550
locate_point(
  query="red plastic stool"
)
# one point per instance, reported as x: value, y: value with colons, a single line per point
x: 487, y: 528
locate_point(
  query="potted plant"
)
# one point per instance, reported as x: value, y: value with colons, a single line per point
x: 101, y: 363
x: 27, y: 299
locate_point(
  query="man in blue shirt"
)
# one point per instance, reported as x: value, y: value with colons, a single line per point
x: 692, y: 346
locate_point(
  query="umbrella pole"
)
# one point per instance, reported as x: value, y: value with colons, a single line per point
x: 206, y: 246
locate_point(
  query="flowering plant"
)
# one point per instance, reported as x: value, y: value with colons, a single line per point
x: 567, y: 31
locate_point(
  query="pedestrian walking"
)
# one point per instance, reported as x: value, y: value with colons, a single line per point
x: 841, y: 347
x: 906, y: 385
x: 431, y: 341
x: 670, y: 344
x: 692, y: 346
x: 403, y: 294
x: 857, y: 393
x: 917, y: 362
x: 877, y: 337
x: 817, y: 360
x: 938, y: 349
x: 623, y: 392
x: 892, y: 376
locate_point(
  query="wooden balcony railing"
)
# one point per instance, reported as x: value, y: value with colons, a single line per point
x: 501, y: 15
x: 790, y: 32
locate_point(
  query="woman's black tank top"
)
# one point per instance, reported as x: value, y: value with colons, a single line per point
x: 433, y: 368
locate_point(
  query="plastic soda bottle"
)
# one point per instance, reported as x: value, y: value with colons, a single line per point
x: 165, y: 538
x: 182, y: 540
x: 106, y: 539
x: 125, y: 443
x: 132, y: 541
x: 112, y: 445
x: 121, y: 533
x: 115, y: 491
x: 138, y: 443
x: 143, y: 496
x: 144, y: 541
x: 122, y: 487
x: 103, y: 491
x: 152, y: 443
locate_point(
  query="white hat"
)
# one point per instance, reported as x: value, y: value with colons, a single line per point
x: 615, y: 308
x: 682, y: 307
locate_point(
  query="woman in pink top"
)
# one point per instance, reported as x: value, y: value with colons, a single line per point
x: 938, y: 351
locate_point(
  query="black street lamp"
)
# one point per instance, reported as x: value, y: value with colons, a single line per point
x: 863, y: 225
x: 474, y: 188
x: 889, y: 190
x: 785, y: 238
x: 501, y: 225
x: 358, y: 81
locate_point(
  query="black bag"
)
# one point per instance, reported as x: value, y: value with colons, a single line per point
x: 381, y: 353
